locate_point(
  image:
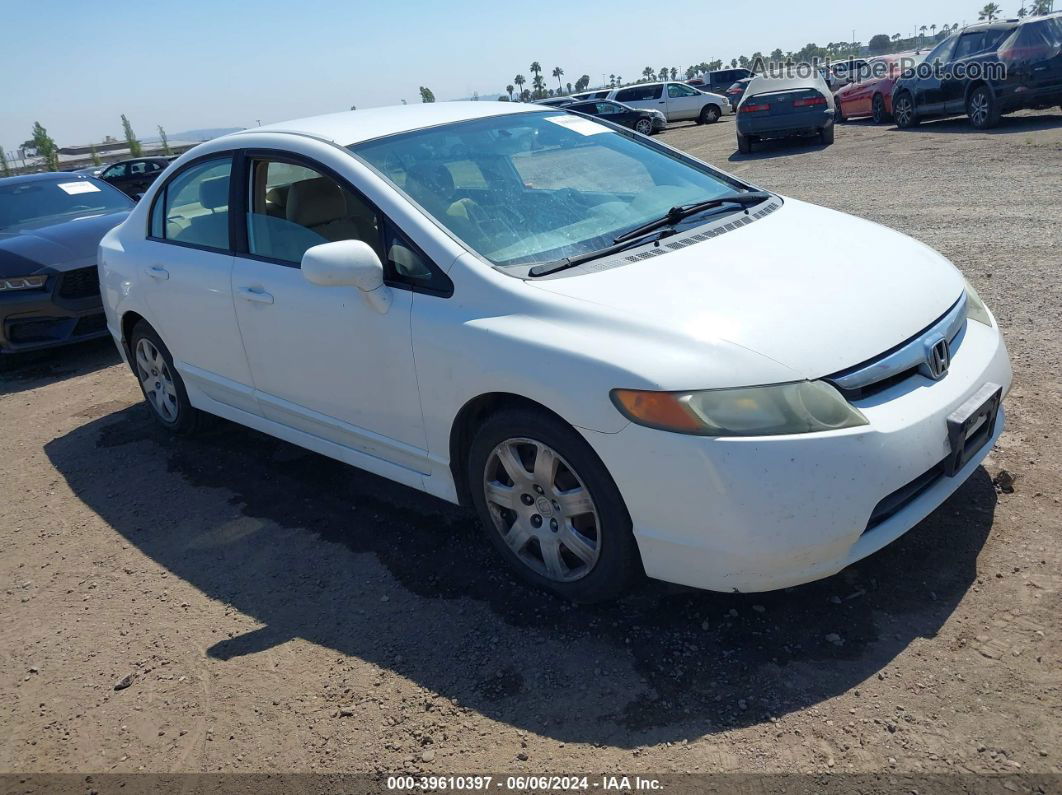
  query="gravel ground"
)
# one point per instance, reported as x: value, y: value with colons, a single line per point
x: 234, y: 603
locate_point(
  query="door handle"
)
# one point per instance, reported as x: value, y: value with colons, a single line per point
x: 157, y: 272
x: 661, y: 101
x: 255, y: 295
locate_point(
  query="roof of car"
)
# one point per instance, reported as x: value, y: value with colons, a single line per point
x: 45, y: 176
x: 355, y: 126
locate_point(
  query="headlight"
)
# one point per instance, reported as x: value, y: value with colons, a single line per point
x: 799, y: 407
x: 975, y: 307
x: 22, y: 283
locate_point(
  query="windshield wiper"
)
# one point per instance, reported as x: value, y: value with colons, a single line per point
x: 547, y: 268
x: 638, y: 235
x: 677, y: 214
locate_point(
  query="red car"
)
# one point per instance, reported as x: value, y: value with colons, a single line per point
x: 872, y: 96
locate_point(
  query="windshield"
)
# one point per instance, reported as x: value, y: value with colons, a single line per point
x: 528, y: 188
x: 41, y: 202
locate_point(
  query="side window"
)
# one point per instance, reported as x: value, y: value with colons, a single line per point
x: 969, y: 44
x: 117, y: 170
x: 293, y: 208
x: 193, y: 207
x: 607, y: 107
x: 626, y: 95
x: 942, y: 53
x: 403, y: 262
x: 679, y: 90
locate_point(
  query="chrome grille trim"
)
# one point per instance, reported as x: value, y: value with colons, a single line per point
x: 909, y: 355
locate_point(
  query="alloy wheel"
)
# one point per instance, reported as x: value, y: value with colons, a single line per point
x: 644, y: 126
x: 156, y: 380
x: 878, y: 109
x: 904, y: 111
x: 979, y: 105
x: 542, y: 509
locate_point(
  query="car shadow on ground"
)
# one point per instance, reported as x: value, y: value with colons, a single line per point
x: 1008, y: 125
x: 663, y: 664
x: 23, y: 371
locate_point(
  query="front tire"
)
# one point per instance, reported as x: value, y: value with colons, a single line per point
x: 709, y: 115
x: 903, y: 110
x: 838, y: 112
x: 644, y: 126
x: 550, y: 508
x: 982, y: 108
x: 160, y: 382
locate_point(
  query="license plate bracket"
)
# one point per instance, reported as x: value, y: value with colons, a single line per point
x: 971, y: 425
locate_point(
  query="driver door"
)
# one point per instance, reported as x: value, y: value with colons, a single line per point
x: 324, y: 361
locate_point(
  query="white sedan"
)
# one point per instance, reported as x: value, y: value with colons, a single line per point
x: 624, y: 359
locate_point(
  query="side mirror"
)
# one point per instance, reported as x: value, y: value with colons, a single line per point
x: 350, y: 263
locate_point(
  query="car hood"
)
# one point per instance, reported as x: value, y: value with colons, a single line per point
x: 813, y: 289
x: 60, y: 247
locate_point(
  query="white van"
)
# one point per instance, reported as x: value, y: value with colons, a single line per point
x: 677, y: 101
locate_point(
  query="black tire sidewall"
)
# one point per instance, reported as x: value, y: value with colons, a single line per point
x: 618, y: 564
x: 877, y: 102
x: 914, y: 115
x: 187, y: 414
x: 709, y: 115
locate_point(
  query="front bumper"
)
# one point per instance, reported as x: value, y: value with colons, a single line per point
x: 757, y: 514
x: 67, y: 310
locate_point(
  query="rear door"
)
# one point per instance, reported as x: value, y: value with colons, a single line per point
x: 1033, y: 55
x: 186, y: 281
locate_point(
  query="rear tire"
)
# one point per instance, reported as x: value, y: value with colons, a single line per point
x: 826, y: 135
x: 838, y: 112
x: 903, y: 110
x: 744, y: 143
x: 568, y: 530
x: 709, y: 114
x: 877, y: 109
x: 160, y: 382
x: 982, y: 108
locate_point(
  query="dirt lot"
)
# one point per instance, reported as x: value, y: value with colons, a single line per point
x: 278, y: 611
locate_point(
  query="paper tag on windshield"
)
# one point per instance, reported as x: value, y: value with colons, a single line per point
x: 579, y: 125
x: 79, y: 187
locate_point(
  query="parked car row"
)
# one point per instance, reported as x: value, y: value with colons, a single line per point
x: 676, y: 101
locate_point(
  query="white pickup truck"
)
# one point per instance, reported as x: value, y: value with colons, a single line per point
x: 677, y: 101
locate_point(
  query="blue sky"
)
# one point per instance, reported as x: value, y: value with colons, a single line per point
x: 77, y: 66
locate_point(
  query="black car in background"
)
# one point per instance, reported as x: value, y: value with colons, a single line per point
x: 646, y: 122
x: 50, y: 228
x: 134, y: 176
x: 985, y: 71
x: 720, y: 80
x: 737, y: 91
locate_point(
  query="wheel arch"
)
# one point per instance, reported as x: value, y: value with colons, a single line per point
x: 129, y: 320
x: 975, y: 84
x: 471, y: 415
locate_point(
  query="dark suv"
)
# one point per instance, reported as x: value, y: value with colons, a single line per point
x: 985, y: 71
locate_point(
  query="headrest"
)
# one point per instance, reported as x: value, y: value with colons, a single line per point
x: 313, y: 202
x: 430, y: 181
x: 214, y: 192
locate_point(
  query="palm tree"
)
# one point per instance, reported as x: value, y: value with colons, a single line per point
x: 520, y: 80
x: 539, y: 86
x: 557, y: 72
x: 989, y: 12
x: 895, y: 36
x: 536, y: 68
x: 1041, y: 7
x: 509, y: 90
x: 647, y: 73
x: 933, y: 29
x: 733, y: 63
x: 922, y: 32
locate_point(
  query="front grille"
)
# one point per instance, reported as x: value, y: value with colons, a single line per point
x: 40, y: 329
x: 90, y: 324
x: 80, y: 283
x: 905, y: 495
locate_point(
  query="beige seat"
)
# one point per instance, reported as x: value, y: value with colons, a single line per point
x: 321, y: 206
x: 211, y: 229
